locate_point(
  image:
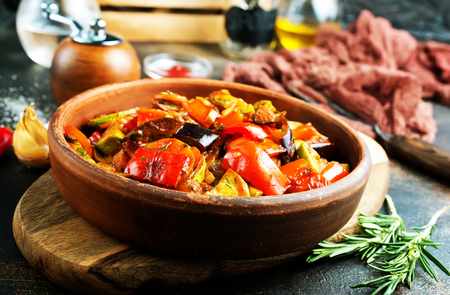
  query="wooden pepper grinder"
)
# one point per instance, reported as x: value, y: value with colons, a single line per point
x: 86, y: 60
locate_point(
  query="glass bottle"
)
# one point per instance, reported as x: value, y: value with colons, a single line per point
x: 249, y: 26
x: 40, y: 36
x: 298, y: 19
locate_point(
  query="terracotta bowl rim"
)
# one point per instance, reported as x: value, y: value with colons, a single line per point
x: 357, y: 177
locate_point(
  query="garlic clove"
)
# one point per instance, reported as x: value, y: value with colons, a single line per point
x: 30, y: 140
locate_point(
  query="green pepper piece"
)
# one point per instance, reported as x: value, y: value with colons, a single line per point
x: 303, y: 151
x: 111, y: 141
x: 99, y: 157
x: 108, y: 118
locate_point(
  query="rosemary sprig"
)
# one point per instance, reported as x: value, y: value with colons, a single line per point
x: 384, y: 237
x: 370, y: 242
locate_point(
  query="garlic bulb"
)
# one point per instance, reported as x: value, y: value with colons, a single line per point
x: 30, y: 140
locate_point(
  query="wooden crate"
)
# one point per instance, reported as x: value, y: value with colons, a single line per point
x: 184, y: 21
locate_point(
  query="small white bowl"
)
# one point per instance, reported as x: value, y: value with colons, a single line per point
x: 157, y: 66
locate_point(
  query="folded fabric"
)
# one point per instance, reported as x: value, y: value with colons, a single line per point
x: 430, y: 63
x: 371, y: 69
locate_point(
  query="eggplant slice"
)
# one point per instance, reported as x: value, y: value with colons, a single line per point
x: 285, y: 139
x: 196, y: 135
x: 325, y: 149
x: 154, y: 130
x: 192, y: 134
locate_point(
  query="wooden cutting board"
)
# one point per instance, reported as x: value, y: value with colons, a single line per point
x: 69, y: 251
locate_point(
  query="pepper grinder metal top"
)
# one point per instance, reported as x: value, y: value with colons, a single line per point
x: 96, y: 34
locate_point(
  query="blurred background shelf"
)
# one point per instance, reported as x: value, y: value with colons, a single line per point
x: 203, y: 20
x: 200, y: 21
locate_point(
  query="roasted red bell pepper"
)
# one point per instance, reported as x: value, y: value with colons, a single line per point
x: 256, y: 167
x: 147, y: 114
x: 305, y: 132
x: 302, y: 176
x: 248, y: 130
x: 202, y: 111
x: 6, y: 139
x: 165, y: 162
x: 82, y: 139
x: 267, y: 144
x: 233, y: 116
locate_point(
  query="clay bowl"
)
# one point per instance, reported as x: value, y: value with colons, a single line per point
x: 196, y: 225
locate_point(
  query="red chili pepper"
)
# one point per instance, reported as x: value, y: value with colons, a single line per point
x: 165, y: 162
x: 82, y: 139
x: 302, y: 176
x: 256, y: 167
x: 6, y: 139
x: 248, y: 130
x: 95, y: 136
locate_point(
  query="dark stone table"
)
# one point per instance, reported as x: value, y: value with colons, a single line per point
x: 417, y: 195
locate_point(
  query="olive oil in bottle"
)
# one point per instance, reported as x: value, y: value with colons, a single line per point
x: 296, y: 25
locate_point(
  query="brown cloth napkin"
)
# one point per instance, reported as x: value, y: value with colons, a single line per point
x: 371, y: 69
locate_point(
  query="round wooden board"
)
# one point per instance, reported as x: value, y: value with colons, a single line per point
x: 69, y: 251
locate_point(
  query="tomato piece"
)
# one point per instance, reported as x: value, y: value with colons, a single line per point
x: 302, y: 176
x: 333, y: 172
x: 202, y: 111
x: 82, y: 139
x: 256, y: 167
x: 147, y: 114
x: 248, y: 130
x: 165, y: 163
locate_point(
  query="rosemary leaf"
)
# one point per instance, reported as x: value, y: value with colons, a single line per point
x: 436, y: 261
x: 426, y: 266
